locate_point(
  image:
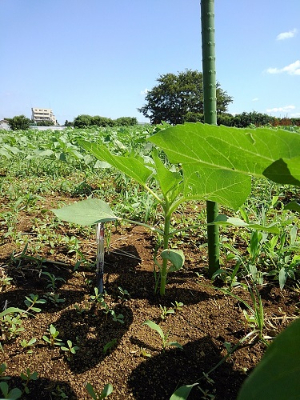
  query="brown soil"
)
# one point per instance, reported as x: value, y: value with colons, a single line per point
x: 136, y: 365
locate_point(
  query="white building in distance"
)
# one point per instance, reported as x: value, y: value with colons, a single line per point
x: 43, y: 114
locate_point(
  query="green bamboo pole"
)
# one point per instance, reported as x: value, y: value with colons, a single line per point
x: 210, y: 116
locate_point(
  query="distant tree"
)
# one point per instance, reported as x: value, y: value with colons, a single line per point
x: 258, y: 119
x: 19, y: 122
x: 68, y: 123
x: 45, y: 123
x: 83, y: 121
x: 125, y: 121
x: 176, y: 96
x: 102, y: 121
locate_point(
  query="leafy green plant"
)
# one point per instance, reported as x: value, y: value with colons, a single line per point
x: 54, y: 298
x: 109, y: 346
x: 11, y: 323
x: 12, y: 394
x: 164, y: 311
x: 95, y: 395
x: 31, y: 300
x: 70, y: 350
x: 277, y: 374
x: 163, y: 336
x: 52, y: 280
x: 52, y: 338
x: 124, y: 294
x: 26, y: 378
x: 28, y: 345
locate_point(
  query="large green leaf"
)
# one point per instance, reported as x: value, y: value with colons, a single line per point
x: 277, y: 375
x: 231, y: 221
x: 285, y: 171
x: 218, y: 161
x: 169, y: 181
x: 87, y: 212
x: 131, y: 166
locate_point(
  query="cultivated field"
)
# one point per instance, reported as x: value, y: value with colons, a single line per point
x: 61, y: 339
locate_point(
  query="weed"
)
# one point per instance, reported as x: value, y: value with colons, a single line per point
x: 163, y: 336
x: 95, y: 395
x: 109, y: 346
x: 70, y: 350
x: 28, y: 344
x: 52, y: 338
x: 164, y: 311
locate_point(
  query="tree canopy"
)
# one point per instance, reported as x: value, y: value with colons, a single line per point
x: 19, y: 122
x: 177, y: 96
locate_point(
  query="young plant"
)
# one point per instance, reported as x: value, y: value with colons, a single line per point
x: 52, y: 285
x: 165, y: 311
x: 12, y: 394
x: 109, y: 346
x: 28, y: 345
x: 70, y: 350
x: 11, y: 323
x: 28, y: 377
x: 32, y: 300
x: 124, y: 294
x: 95, y: 395
x: 163, y: 336
x: 52, y: 338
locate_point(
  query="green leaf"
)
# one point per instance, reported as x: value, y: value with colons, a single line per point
x: 156, y: 327
x: 282, y: 277
x: 86, y: 212
x: 131, y: 166
x: 11, y: 310
x: 217, y: 161
x: 276, y: 377
x: 293, y: 206
x: 176, y: 257
x: 183, y: 392
x: 108, y: 389
x: 175, y: 344
x: 286, y: 171
x: 168, y: 180
x: 224, y: 220
x: 91, y: 391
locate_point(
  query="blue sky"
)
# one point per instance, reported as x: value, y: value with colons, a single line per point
x: 98, y: 57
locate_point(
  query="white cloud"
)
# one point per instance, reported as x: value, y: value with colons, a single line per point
x: 144, y: 92
x: 295, y: 115
x: 255, y: 99
x: 280, y: 109
x: 287, y: 35
x: 291, y: 69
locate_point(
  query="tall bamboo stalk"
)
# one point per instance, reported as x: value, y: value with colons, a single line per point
x: 210, y: 116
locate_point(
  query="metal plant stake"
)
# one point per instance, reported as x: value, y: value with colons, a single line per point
x: 100, y: 256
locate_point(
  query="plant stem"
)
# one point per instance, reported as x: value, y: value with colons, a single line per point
x: 163, y: 273
x: 210, y: 117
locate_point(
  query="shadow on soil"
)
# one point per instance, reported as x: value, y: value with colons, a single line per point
x: 158, y: 377
x: 43, y: 388
x: 92, y: 331
x: 125, y: 263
